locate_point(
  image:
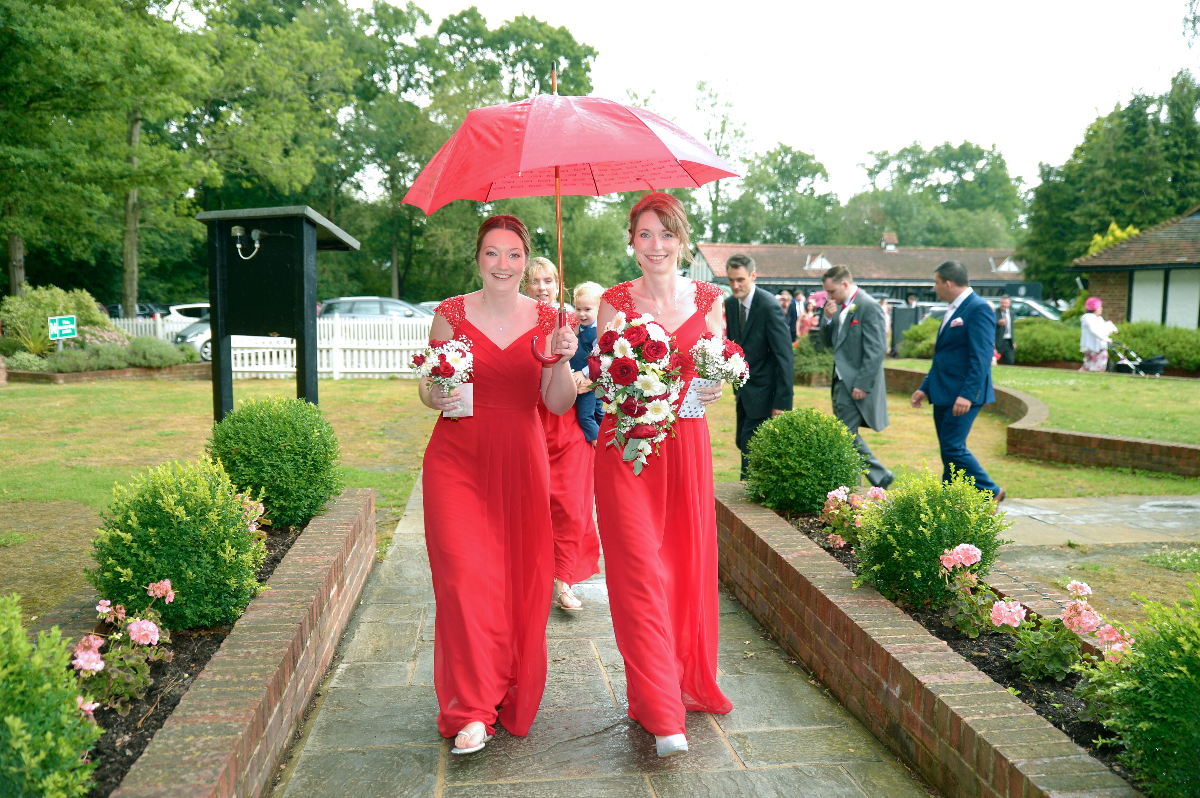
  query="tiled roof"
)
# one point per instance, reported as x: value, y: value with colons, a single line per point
x: 1173, y: 242
x: 865, y: 263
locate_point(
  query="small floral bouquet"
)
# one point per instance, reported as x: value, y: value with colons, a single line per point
x: 717, y: 361
x: 448, y: 364
x: 636, y: 368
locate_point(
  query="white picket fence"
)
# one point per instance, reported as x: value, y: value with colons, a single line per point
x: 154, y: 328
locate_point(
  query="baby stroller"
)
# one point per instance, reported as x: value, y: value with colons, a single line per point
x: 1128, y: 362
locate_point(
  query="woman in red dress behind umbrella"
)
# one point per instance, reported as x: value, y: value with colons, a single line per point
x: 486, y: 499
x: 659, y: 528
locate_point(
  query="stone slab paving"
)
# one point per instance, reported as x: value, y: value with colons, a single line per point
x: 374, y: 732
x: 1116, y: 519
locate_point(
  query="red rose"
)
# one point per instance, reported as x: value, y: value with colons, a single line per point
x: 434, y: 343
x: 593, y: 368
x: 608, y: 340
x: 642, y: 431
x: 654, y: 350
x: 636, y: 336
x: 418, y: 360
x: 708, y: 336
x: 443, y: 369
x: 631, y: 408
x: 674, y: 362
x: 732, y: 349
x: 623, y: 371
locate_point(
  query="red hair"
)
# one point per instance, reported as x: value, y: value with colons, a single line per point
x: 503, y: 222
x: 672, y: 215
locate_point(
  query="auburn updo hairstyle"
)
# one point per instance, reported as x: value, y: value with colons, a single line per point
x: 503, y: 222
x: 672, y: 215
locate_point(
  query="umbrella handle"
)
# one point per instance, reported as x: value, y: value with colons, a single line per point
x: 535, y: 345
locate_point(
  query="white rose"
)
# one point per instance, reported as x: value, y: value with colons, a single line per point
x: 605, y: 362
x: 737, y: 363
x: 657, y: 333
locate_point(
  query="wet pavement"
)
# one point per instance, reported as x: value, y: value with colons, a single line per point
x: 1117, y: 519
x: 373, y: 731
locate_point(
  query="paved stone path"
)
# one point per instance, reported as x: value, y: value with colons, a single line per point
x: 1117, y: 519
x: 374, y: 734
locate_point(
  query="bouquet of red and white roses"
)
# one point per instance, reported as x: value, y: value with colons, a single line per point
x: 636, y: 368
x: 448, y: 364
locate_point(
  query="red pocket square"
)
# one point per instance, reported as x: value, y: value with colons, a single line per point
x: 853, y: 322
x: 956, y: 322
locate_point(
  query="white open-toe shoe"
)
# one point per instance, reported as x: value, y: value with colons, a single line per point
x: 479, y: 734
x: 671, y: 744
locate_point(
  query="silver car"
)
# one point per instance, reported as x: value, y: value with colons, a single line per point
x: 368, y: 306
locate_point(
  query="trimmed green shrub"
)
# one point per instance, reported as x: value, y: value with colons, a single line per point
x: 918, y: 340
x: 43, y: 732
x: 902, y: 537
x: 283, y: 448
x: 1043, y: 340
x: 68, y: 361
x: 1150, y: 698
x: 1182, y: 347
x: 105, y: 357
x: 190, y: 355
x: 810, y: 360
x: 9, y: 346
x: 26, y: 314
x: 153, y: 353
x: 798, y: 457
x: 23, y: 361
x: 183, y: 522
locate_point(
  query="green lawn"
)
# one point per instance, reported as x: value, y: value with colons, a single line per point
x: 1105, y: 404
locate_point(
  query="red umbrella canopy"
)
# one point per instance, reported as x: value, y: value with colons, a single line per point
x: 600, y: 146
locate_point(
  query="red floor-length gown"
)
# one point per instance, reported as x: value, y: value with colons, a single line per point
x: 659, y: 530
x: 488, y: 531
x: 572, y: 496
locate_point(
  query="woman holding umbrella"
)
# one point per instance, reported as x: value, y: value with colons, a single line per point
x: 486, y: 498
x: 659, y: 527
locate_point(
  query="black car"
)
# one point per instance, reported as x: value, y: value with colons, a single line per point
x: 145, y: 310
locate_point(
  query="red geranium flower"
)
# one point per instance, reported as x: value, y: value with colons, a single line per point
x: 654, y: 350
x: 624, y: 370
x: 594, y: 368
x: 636, y: 336
x: 642, y: 431
x: 631, y: 408
x: 608, y: 340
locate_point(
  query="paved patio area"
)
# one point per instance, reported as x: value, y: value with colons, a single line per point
x: 373, y: 733
x: 1117, y: 519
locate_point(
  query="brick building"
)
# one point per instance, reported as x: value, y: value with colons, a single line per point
x: 1152, y: 276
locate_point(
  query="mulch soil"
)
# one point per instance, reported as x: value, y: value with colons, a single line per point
x: 1054, y: 701
x: 125, y: 738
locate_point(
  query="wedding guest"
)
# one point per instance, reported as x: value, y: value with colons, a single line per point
x: 486, y: 498
x: 1004, y: 332
x: 791, y: 313
x: 586, y: 298
x: 659, y: 527
x: 576, y: 546
x: 1095, y: 335
x: 808, y: 319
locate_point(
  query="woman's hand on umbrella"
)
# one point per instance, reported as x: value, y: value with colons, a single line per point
x: 565, y: 343
x: 443, y: 402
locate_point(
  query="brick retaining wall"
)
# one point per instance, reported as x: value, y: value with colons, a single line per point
x: 967, y: 735
x: 184, y: 371
x: 235, y: 723
x: 1026, y: 438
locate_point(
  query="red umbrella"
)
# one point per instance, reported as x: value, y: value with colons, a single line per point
x: 562, y: 145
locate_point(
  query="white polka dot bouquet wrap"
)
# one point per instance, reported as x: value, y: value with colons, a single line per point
x: 636, y: 365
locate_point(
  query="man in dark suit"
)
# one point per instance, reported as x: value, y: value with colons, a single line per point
x: 1004, y: 332
x: 754, y: 321
x: 791, y: 313
x: 959, y: 381
x: 855, y: 331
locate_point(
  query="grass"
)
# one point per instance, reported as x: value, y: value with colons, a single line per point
x: 1187, y: 560
x: 1105, y: 404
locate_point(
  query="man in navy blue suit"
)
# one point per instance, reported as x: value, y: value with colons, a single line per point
x: 959, y: 381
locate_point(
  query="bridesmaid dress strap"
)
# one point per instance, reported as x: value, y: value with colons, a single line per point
x: 548, y: 318
x: 453, y: 310
x: 706, y: 295
x: 619, y: 297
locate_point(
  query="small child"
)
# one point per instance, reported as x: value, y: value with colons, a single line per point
x: 588, y: 409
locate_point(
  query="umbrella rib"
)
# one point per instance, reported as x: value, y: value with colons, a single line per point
x: 592, y: 172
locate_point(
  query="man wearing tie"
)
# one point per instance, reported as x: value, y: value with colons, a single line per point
x: 855, y: 330
x: 959, y: 381
x: 1004, y: 332
x: 754, y: 320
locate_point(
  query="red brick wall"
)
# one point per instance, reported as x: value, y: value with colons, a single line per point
x: 235, y: 723
x: 1113, y: 290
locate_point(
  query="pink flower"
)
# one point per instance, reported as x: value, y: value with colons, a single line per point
x: 837, y: 541
x: 1108, y: 633
x: 1115, y: 641
x: 1007, y: 612
x: 858, y: 520
x: 120, y: 611
x: 1080, y: 618
x: 88, y: 660
x: 970, y: 577
x: 86, y: 707
x: 1079, y: 589
x: 968, y: 555
x: 855, y: 500
x: 89, y: 643
x: 144, y: 632
x: 839, y: 494
x: 949, y: 560
x: 876, y: 494
x: 104, y: 607
x: 162, y: 590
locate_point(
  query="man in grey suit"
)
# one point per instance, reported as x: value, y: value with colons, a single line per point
x: 855, y: 330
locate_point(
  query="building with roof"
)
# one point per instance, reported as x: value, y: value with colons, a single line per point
x: 887, y: 269
x: 1152, y: 276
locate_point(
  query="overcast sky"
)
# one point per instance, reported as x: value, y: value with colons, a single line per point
x: 841, y: 79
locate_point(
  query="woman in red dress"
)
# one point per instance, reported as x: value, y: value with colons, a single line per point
x: 576, y: 546
x: 486, y: 499
x: 659, y: 528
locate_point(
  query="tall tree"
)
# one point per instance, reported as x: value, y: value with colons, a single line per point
x: 779, y: 203
x: 726, y: 138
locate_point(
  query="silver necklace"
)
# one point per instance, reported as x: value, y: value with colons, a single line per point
x: 654, y: 301
x: 489, y: 312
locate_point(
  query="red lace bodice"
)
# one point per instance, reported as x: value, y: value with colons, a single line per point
x: 619, y: 297
x: 454, y: 310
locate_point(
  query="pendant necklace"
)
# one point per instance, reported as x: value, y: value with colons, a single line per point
x: 489, y: 312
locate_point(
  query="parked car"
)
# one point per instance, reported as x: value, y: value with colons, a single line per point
x: 192, y: 311
x: 145, y: 310
x: 431, y: 306
x: 1028, y: 309
x: 198, y: 336
x: 368, y: 306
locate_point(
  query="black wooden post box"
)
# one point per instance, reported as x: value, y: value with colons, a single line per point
x: 262, y: 280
